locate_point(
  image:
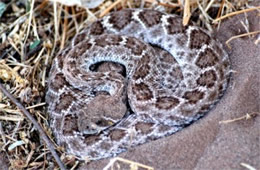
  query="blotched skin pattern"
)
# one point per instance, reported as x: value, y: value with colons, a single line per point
x: 134, y: 76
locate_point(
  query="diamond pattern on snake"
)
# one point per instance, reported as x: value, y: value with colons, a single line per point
x: 131, y: 77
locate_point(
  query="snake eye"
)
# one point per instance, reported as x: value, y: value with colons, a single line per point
x: 103, y: 123
x: 99, y: 122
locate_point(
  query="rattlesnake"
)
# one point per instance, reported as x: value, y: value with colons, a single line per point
x: 134, y: 76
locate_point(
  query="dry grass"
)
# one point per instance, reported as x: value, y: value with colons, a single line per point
x: 31, y: 34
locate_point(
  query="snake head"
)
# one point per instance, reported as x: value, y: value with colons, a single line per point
x: 91, y: 127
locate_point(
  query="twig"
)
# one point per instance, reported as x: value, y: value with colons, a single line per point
x: 239, y: 36
x: 167, y: 4
x: 36, y: 124
x: 247, y: 166
x: 245, y: 117
x: 110, y: 7
x: 65, y: 28
x: 235, y: 13
x: 28, y: 30
x: 2, y: 133
x: 134, y: 165
x: 187, y: 14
